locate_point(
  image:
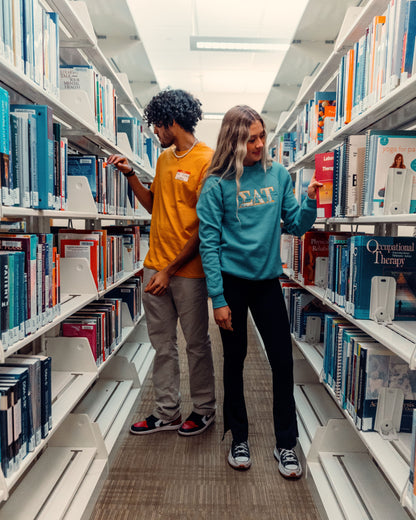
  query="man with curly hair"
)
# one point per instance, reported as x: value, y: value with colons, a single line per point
x: 174, y: 280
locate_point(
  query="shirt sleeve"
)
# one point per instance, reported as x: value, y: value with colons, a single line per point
x: 297, y: 219
x: 210, y: 210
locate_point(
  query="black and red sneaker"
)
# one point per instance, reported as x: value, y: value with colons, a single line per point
x: 196, y: 423
x: 152, y: 425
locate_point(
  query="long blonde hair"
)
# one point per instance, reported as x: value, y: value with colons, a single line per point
x: 231, y: 150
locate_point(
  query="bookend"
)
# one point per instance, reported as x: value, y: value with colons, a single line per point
x: 80, y: 197
x: 313, y: 329
x: 321, y: 271
x: 389, y: 412
x: 398, y: 191
x: 382, y: 300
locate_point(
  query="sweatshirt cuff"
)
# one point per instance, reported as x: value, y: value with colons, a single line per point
x: 310, y: 202
x: 218, y: 301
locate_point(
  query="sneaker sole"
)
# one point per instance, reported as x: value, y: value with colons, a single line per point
x: 184, y: 433
x: 156, y: 430
x: 239, y: 467
x: 289, y: 476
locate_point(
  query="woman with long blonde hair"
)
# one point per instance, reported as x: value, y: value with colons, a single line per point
x: 242, y: 202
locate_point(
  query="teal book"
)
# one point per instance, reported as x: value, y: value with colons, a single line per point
x: 382, y: 278
x: 45, y: 152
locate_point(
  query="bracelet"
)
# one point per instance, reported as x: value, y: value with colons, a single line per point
x: 130, y: 173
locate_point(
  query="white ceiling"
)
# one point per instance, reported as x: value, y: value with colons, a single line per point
x: 216, y: 78
x: 150, y: 42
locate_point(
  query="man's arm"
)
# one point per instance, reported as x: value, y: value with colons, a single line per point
x: 143, y: 194
x: 159, y: 282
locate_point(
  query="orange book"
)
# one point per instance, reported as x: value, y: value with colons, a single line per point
x: 350, y: 85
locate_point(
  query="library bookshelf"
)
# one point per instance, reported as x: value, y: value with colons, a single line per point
x: 91, y: 404
x: 352, y: 473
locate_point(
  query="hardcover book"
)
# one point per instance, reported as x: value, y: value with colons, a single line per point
x: 383, y: 277
x: 324, y: 173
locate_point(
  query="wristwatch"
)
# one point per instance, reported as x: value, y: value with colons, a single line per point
x: 130, y: 173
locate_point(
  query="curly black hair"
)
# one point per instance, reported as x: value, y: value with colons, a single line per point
x: 174, y: 105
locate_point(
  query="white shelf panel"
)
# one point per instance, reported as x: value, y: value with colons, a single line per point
x: 114, y: 431
x: 326, y: 499
x: 394, y: 466
x: 82, y: 506
x: 73, y: 389
x: 141, y: 355
x: 353, y: 475
x: 57, y: 470
x: 307, y: 415
x: 314, y: 407
x: 111, y: 411
x: 313, y: 353
x: 144, y: 369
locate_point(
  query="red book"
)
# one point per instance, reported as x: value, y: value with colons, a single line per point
x: 314, y: 246
x: 324, y: 173
x: 86, y: 246
x: 83, y: 329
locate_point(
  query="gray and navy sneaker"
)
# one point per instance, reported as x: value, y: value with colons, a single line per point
x: 289, y: 465
x: 239, y: 456
x: 196, y: 423
x: 152, y: 425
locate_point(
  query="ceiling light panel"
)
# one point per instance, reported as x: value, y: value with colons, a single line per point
x: 213, y: 43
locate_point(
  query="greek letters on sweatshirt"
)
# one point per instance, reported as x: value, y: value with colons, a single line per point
x: 241, y: 235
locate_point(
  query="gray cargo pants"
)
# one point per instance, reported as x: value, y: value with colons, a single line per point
x: 186, y: 299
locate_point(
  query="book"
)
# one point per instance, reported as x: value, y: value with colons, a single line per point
x: 382, y: 276
x: 33, y: 365
x: 355, y: 161
x: 313, y: 269
x: 303, y: 179
x: 80, y: 77
x: 324, y: 173
x: 322, y: 101
x: 44, y: 139
x: 28, y: 244
x: 388, y: 153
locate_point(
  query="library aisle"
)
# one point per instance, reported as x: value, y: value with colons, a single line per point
x: 168, y: 477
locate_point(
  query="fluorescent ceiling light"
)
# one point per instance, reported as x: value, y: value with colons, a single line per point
x: 210, y: 115
x: 212, y: 43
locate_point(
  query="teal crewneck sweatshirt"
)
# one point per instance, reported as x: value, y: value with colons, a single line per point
x: 244, y: 241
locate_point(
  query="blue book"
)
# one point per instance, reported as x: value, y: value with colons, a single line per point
x: 410, y: 34
x: 28, y: 40
x: 4, y: 121
x: 128, y: 125
x: 382, y: 277
x: 85, y: 166
x: 5, y: 147
x: 45, y: 146
x: 149, y: 151
x: 20, y: 154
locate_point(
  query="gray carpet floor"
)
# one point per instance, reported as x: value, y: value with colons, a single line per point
x: 164, y: 476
